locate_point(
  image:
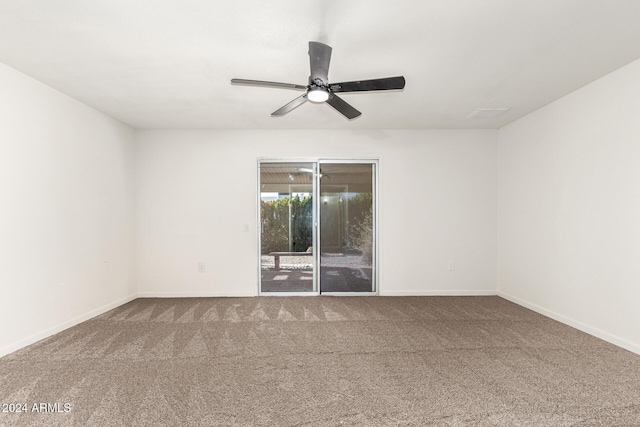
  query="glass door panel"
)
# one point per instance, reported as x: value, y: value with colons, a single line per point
x: 286, y: 227
x: 347, y: 224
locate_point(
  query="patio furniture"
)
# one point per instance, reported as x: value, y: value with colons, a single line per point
x: 276, y: 256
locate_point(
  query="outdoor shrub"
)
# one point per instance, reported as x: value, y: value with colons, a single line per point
x: 274, y: 216
x: 361, y: 236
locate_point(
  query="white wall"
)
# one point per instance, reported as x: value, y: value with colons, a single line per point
x: 197, y: 190
x: 569, y: 209
x: 66, y: 211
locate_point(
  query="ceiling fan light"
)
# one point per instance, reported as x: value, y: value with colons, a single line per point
x: 318, y: 95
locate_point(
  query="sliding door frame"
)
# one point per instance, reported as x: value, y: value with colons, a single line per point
x: 317, y: 162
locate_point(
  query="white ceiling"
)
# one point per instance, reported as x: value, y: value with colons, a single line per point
x: 159, y: 64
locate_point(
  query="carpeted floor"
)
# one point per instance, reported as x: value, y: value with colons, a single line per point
x: 370, y: 361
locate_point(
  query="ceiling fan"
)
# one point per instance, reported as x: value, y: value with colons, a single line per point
x: 319, y: 89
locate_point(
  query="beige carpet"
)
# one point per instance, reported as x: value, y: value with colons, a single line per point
x: 370, y: 361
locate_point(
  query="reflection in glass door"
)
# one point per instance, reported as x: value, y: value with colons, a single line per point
x: 287, y: 227
x: 347, y: 224
x: 323, y: 244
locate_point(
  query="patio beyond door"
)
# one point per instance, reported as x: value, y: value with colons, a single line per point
x: 317, y: 227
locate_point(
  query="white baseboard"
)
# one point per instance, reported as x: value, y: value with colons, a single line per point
x: 65, y: 325
x: 486, y: 292
x: 191, y: 295
x: 441, y: 293
x: 613, y: 339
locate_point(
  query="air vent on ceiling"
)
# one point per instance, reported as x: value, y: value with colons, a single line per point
x: 488, y: 112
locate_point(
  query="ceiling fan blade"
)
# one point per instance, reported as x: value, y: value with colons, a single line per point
x: 343, y: 107
x: 319, y: 57
x: 388, y: 83
x: 290, y: 106
x: 267, y: 84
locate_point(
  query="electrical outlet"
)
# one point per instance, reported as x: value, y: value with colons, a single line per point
x: 451, y: 266
x: 201, y: 267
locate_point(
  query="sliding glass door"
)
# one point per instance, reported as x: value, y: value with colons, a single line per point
x: 287, y: 227
x: 317, y: 227
x: 347, y: 219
